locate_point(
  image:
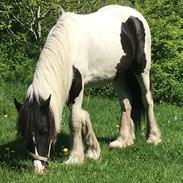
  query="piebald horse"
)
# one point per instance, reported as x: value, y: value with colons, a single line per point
x: 112, y: 44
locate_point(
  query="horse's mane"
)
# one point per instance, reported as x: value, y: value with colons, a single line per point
x: 53, y: 74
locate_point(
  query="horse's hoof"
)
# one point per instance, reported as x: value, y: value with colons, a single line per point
x: 119, y: 143
x: 92, y: 154
x: 153, y: 140
x: 74, y: 160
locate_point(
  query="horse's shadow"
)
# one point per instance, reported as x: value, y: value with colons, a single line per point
x: 13, y: 154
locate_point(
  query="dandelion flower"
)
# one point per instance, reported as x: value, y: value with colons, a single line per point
x: 5, y: 115
x: 65, y: 150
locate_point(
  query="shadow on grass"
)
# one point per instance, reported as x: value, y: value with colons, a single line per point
x: 63, y: 141
x: 106, y: 140
x: 13, y: 155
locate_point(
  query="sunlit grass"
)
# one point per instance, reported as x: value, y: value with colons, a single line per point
x: 138, y: 163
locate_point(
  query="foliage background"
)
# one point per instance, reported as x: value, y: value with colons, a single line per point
x: 20, y: 48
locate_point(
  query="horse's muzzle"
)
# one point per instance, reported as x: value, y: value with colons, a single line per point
x: 40, y: 163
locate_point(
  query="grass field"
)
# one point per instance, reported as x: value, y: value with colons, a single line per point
x: 139, y: 163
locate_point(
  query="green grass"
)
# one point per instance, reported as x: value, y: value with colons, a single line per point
x: 139, y: 163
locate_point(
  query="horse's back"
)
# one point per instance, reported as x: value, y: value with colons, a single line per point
x: 96, y: 40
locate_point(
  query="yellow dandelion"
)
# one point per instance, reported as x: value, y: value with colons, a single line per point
x: 5, y: 115
x: 65, y: 150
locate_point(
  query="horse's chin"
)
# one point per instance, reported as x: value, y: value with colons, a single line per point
x: 39, y: 168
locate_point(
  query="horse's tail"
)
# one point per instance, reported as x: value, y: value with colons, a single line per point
x: 137, y: 67
x: 137, y: 105
x: 139, y: 63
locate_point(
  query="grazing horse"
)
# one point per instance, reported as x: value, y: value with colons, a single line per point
x: 112, y: 44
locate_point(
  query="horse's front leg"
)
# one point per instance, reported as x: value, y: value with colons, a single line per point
x: 80, y: 125
x: 75, y: 125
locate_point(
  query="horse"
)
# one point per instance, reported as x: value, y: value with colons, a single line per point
x: 112, y: 44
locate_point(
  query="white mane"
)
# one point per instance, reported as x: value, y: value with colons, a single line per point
x: 53, y: 74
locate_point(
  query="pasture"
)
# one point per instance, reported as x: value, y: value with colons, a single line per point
x: 140, y: 162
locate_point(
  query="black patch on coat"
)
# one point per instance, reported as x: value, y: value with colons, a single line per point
x: 36, y: 118
x: 76, y: 86
x: 132, y: 41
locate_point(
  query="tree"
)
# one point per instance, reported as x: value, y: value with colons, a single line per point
x: 22, y: 19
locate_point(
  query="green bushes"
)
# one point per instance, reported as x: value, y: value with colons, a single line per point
x: 19, y: 48
x: 15, y: 65
x: 165, y: 19
x: 166, y: 22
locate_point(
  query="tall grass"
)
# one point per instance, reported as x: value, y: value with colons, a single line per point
x: 138, y: 163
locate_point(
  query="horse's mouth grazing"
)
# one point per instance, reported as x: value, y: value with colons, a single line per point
x: 40, y: 166
x: 40, y: 163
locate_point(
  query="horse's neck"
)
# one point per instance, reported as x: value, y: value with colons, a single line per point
x: 53, y: 74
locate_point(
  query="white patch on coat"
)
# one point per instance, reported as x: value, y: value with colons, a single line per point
x: 38, y: 167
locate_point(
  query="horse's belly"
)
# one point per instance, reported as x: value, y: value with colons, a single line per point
x: 97, y: 76
x: 102, y: 65
x: 103, y: 57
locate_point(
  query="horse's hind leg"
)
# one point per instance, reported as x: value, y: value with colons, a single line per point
x: 153, y: 133
x: 126, y: 131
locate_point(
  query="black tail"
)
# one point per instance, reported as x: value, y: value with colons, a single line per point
x: 137, y: 105
x: 138, y: 33
x: 137, y: 66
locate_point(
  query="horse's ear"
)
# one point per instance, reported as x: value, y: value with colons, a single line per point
x: 45, y: 104
x: 17, y: 104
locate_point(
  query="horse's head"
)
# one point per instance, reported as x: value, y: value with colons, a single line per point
x: 36, y: 125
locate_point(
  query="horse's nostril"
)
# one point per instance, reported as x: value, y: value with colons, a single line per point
x: 45, y: 164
